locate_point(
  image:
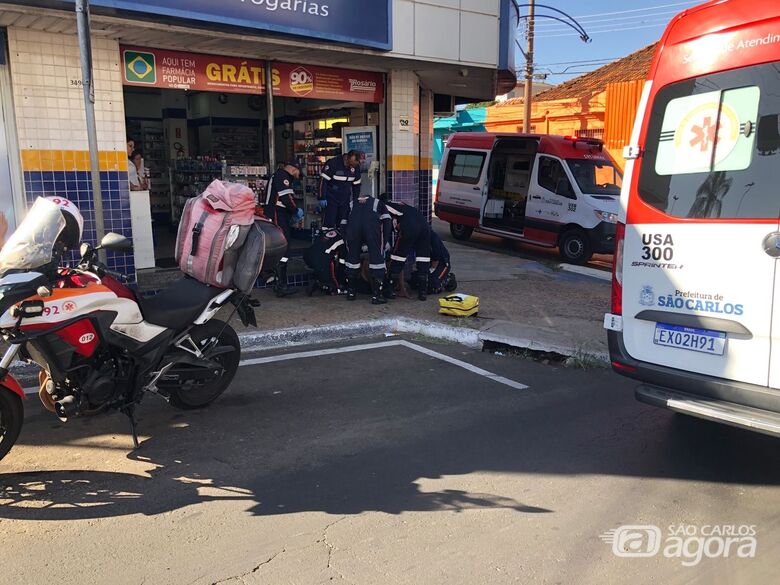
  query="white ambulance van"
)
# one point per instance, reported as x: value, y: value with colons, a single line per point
x: 541, y: 189
x: 696, y: 298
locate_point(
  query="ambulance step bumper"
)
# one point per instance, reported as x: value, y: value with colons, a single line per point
x: 755, y: 419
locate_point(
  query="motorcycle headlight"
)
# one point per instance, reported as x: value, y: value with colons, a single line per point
x: 606, y: 216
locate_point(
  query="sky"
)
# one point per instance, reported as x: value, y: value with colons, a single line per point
x: 617, y: 27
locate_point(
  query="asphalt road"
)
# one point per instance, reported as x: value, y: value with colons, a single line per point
x: 385, y: 466
x: 515, y: 248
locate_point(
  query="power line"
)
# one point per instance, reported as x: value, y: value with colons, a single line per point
x: 614, y: 30
x: 586, y: 61
x: 637, y: 18
x: 638, y: 9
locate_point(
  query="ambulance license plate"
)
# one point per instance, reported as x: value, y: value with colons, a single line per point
x: 702, y: 340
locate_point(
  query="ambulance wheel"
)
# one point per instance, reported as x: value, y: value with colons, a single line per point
x: 574, y: 247
x: 460, y: 231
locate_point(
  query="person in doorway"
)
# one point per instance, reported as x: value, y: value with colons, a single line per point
x: 369, y: 225
x: 339, y: 184
x: 413, y: 235
x: 130, y: 146
x: 281, y: 209
x: 136, y: 173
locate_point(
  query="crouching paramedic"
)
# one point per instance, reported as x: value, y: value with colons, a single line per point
x: 280, y: 208
x: 339, y: 184
x: 326, y: 257
x: 414, y: 235
x: 439, y: 276
x: 369, y: 225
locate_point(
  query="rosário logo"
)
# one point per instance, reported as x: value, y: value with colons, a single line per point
x: 301, y: 81
x: 140, y: 67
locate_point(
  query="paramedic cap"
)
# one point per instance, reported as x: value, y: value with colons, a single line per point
x: 294, y: 163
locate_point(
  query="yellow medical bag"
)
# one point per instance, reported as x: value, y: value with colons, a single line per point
x: 459, y: 305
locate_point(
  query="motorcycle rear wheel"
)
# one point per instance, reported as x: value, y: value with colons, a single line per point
x: 11, y: 418
x: 191, y: 395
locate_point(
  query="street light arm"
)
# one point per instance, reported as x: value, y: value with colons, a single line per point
x: 578, y: 27
x: 583, y: 35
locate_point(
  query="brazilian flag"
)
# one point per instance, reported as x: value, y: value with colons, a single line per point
x: 139, y: 67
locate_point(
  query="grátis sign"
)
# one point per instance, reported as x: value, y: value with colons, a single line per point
x: 343, y: 21
x: 194, y: 71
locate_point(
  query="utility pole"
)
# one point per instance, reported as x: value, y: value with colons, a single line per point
x: 269, y: 96
x: 85, y: 50
x: 529, y: 70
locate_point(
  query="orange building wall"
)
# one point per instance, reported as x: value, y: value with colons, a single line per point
x: 622, y: 102
x: 612, y: 111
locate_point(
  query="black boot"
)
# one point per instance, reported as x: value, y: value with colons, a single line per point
x: 280, y: 287
x: 422, y: 287
x: 351, y: 290
x: 377, y: 298
x: 388, y: 288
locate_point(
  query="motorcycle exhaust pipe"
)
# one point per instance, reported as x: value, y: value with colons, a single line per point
x: 66, y: 407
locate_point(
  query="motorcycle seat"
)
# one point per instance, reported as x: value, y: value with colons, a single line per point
x: 178, y: 305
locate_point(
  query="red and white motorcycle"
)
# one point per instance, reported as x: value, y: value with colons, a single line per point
x: 99, y: 345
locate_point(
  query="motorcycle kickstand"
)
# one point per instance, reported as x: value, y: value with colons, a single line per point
x: 130, y: 412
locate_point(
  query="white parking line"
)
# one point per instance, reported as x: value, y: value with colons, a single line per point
x: 395, y: 343
x: 366, y: 346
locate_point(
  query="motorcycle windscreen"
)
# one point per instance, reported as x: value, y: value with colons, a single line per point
x: 31, y: 245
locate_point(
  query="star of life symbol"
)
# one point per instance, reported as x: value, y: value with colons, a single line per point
x: 703, y: 134
x: 702, y: 130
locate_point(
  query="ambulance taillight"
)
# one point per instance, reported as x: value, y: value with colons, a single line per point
x: 617, y: 270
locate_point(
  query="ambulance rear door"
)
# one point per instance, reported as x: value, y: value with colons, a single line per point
x: 702, y: 238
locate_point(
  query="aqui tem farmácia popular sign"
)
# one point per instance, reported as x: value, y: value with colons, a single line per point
x: 193, y: 71
x: 364, y: 23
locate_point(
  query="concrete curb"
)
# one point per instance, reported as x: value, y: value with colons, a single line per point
x: 585, y: 271
x: 536, y: 345
x: 277, y: 338
x: 295, y: 336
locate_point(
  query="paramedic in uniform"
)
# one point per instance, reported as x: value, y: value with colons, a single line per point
x: 414, y: 235
x: 281, y: 209
x: 326, y: 257
x: 339, y: 184
x: 369, y: 224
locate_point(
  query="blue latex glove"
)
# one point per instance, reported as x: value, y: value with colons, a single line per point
x: 299, y: 214
x: 323, y: 203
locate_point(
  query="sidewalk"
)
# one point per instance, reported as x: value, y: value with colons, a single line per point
x: 523, y: 303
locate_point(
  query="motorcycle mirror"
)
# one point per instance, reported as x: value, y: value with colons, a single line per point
x: 116, y: 242
x: 85, y: 249
x: 28, y: 309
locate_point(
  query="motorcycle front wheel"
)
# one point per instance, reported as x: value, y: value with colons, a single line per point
x: 11, y: 418
x: 191, y: 394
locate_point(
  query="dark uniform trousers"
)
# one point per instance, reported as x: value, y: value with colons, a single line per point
x: 414, y: 235
x: 280, y: 205
x: 326, y: 258
x: 369, y: 224
x: 339, y: 185
x: 441, y: 255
